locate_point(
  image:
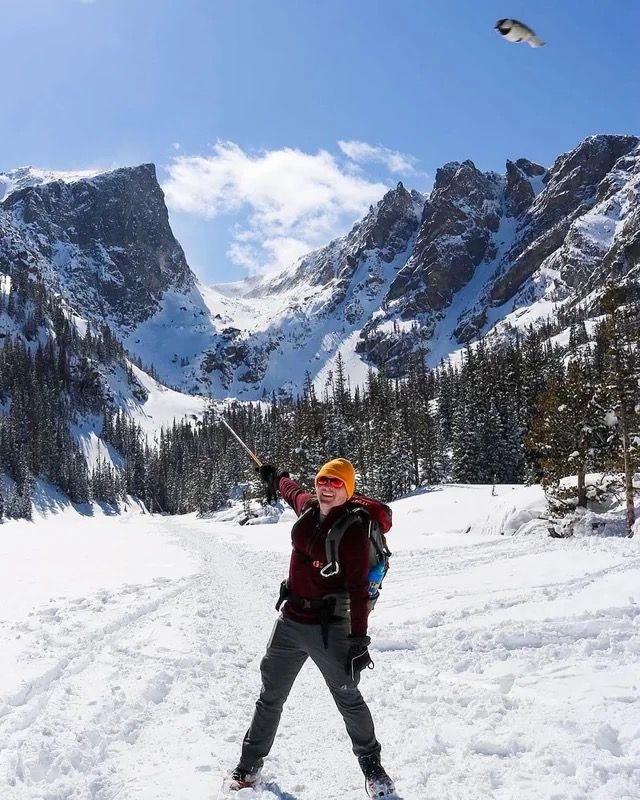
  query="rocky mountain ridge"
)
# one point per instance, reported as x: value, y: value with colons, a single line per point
x: 418, y: 274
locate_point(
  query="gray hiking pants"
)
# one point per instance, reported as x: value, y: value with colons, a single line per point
x: 290, y: 645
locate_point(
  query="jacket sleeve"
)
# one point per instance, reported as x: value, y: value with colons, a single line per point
x: 293, y: 494
x: 354, y: 562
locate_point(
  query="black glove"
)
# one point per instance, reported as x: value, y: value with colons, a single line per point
x: 270, y: 477
x: 358, y: 657
x: 267, y: 473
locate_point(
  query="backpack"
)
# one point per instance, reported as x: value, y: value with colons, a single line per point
x: 377, y: 518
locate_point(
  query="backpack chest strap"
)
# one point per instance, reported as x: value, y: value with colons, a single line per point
x: 307, y: 558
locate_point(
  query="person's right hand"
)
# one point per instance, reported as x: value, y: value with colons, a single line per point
x: 271, y: 474
x: 268, y: 474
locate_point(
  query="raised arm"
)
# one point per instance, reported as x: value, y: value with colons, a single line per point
x: 292, y: 493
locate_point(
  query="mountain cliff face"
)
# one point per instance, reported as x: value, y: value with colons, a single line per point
x: 576, y: 182
x: 419, y: 273
x: 106, y: 239
x: 104, y: 244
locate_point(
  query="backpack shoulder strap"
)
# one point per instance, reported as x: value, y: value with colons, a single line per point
x: 307, y: 511
x: 334, y: 537
x: 377, y: 510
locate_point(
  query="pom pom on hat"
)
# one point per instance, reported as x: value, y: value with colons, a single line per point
x: 343, y: 470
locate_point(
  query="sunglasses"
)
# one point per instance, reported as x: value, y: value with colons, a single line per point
x: 326, y: 480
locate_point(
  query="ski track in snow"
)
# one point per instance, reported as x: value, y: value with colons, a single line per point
x: 505, y: 668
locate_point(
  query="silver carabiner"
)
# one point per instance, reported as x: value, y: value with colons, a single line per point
x: 335, y: 569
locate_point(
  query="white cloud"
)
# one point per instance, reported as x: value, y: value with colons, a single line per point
x: 291, y: 202
x: 393, y: 160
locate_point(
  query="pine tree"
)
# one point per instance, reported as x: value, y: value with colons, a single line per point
x: 623, y: 378
x: 568, y: 433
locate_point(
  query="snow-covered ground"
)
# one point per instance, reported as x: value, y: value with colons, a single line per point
x: 507, y: 666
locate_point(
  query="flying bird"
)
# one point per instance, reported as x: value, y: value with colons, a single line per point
x: 514, y: 31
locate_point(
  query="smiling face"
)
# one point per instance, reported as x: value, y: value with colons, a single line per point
x: 331, y: 493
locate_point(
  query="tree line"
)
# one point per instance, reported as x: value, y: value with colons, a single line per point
x: 536, y: 406
x: 53, y: 382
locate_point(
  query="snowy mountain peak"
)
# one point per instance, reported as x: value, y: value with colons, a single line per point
x: 22, y: 177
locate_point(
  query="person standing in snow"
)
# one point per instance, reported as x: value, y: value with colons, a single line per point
x: 324, y: 617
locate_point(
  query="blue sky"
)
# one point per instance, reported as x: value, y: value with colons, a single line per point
x: 275, y: 123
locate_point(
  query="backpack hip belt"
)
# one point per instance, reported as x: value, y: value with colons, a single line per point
x: 331, y: 607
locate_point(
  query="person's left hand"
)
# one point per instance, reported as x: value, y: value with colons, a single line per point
x: 358, y: 657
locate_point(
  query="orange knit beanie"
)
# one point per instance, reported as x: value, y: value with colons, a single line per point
x: 342, y: 469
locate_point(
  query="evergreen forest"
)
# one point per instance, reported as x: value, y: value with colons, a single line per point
x: 561, y: 398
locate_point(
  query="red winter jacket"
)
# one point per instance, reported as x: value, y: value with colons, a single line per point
x: 308, y: 542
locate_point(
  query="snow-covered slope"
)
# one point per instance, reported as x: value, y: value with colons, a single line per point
x: 506, y: 665
x: 96, y: 373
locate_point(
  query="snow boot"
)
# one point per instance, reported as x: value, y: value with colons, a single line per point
x: 376, y: 781
x: 242, y: 779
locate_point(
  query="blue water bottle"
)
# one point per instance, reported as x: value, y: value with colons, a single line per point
x: 376, y: 574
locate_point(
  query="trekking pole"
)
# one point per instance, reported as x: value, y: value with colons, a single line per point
x: 234, y: 434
